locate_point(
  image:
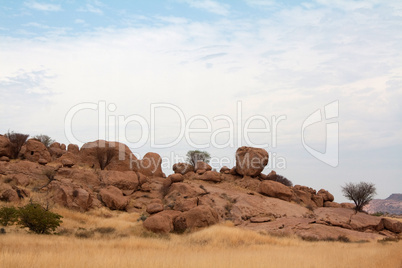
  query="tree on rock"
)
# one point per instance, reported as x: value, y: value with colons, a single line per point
x: 194, y: 156
x: 361, y: 193
x: 17, y: 141
x: 104, y: 155
x: 45, y: 139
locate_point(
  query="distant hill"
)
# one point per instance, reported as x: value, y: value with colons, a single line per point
x: 392, y: 205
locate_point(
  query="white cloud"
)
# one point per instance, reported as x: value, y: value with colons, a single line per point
x: 42, y: 6
x: 210, y: 6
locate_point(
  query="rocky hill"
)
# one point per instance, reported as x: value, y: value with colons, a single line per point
x: 107, y: 174
x: 390, y: 205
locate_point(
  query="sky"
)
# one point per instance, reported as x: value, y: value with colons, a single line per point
x: 318, y: 84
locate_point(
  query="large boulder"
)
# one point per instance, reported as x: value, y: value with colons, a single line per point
x: 198, y: 217
x: 391, y: 225
x: 124, y: 180
x: 73, y: 148
x: 202, y: 166
x: 275, y: 189
x: 182, y: 168
x: 250, y: 161
x: 177, y: 177
x: 107, y: 155
x: 212, y: 176
x: 56, y: 151
x: 150, y: 165
x: 8, y: 194
x: 71, y: 196
x: 113, y: 198
x: 161, y: 222
x: 35, y: 150
x: 327, y: 196
x: 5, y: 146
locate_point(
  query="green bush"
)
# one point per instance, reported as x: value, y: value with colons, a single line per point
x: 8, y: 215
x: 38, y: 219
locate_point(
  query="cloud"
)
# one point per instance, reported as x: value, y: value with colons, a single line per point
x: 210, y: 6
x: 42, y: 6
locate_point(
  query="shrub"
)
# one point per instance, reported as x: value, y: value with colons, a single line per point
x: 45, y: 139
x: 17, y: 141
x: 283, y: 180
x: 361, y: 193
x: 194, y: 156
x: 8, y: 215
x: 38, y: 219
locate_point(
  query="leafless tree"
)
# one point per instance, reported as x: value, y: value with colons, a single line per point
x: 17, y: 141
x: 104, y: 156
x: 361, y: 193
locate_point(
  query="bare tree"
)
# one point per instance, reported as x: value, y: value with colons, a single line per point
x: 45, y: 139
x: 194, y: 156
x: 361, y: 193
x: 17, y: 141
x: 104, y: 156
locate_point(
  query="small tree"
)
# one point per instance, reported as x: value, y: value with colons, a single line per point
x: 8, y: 215
x: 104, y: 155
x: 17, y: 141
x: 361, y: 193
x: 38, y: 219
x: 194, y: 156
x: 45, y: 139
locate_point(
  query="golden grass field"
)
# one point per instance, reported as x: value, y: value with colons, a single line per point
x: 103, y: 238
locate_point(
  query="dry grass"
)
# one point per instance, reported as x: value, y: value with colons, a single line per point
x: 118, y: 240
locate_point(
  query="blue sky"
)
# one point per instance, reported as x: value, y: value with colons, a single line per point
x: 204, y: 57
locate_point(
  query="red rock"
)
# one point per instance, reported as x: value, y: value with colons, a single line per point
x: 8, y: 194
x: 71, y: 196
x: 5, y: 159
x: 198, y: 217
x: 56, y: 151
x: 124, y: 180
x: 392, y: 225
x: 182, y: 168
x: 318, y: 200
x: 225, y: 170
x: 5, y: 147
x: 121, y: 157
x: 212, y: 176
x: 348, y: 205
x: 327, y: 196
x: 35, y: 150
x: 250, y: 161
x: 113, y: 198
x: 161, y: 222
x: 73, y: 148
x: 200, y: 165
x: 330, y: 204
x: 260, y: 219
x: 177, y: 177
x: 275, y: 189
x: 67, y: 163
x: 150, y: 165
x: 154, y: 207
x: 271, y: 176
x: 42, y: 161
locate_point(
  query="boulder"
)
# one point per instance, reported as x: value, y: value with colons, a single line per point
x: 5, y: 147
x: 330, y: 204
x: 56, y: 151
x: 161, y: 222
x: 182, y: 168
x: 391, y: 225
x: 4, y: 159
x: 275, y: 189
x: 271, y: 176
x: 327, y: 196
x: 73, y: 148
x: 124, y: 180
x: 67, y: 163
x: 203, y: 166
x: 304, y: 197
x: 113, y: 198
x: 107, y: 155
x: 318, y: 200
x: 42, y: 161
x: 35, y: 150
x: 71, y: 196
x: 212, y: 176
x: 348, y: 205
x: 225, y: 170
x: 155, y: 207
x: 250, y: 161
x: 8, y: 194
x: 177, y: 177
x: 150, y: 165
x: 198, y: 217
